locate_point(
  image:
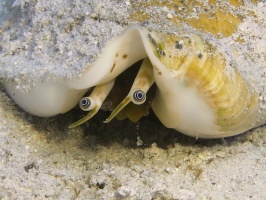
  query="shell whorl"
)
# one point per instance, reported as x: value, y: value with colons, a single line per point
x: 197, y: 64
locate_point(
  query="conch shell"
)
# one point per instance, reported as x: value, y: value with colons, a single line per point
x: 201, y: 70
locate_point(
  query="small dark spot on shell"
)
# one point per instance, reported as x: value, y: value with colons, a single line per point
x: 200, y: 55
x: 124, y: 56
x: 162, y: 53
x: 160, y: 73
x: 178, y: 45
x: 112, y: 68
x: 153, y: 40
x: 116, y: 55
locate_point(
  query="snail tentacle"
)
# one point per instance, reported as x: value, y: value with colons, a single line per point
x: 137, y: 94
x: 94, y: 102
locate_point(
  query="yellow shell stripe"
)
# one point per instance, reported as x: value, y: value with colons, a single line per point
x: 202, y: 67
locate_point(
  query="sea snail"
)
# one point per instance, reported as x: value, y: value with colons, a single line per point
x: 201, y: 90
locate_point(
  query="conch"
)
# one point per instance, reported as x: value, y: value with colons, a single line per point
x: 202, y: 70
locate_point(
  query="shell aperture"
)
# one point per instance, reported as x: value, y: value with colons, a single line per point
x: 141, y: 85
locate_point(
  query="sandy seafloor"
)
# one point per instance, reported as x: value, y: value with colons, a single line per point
x: 40, y: 158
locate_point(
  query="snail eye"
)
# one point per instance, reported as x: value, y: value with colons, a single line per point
x: 84, y: 103
x: 139, y: 97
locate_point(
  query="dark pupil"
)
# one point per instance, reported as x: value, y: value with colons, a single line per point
x: 84, y: 102
x: 139, y: 96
